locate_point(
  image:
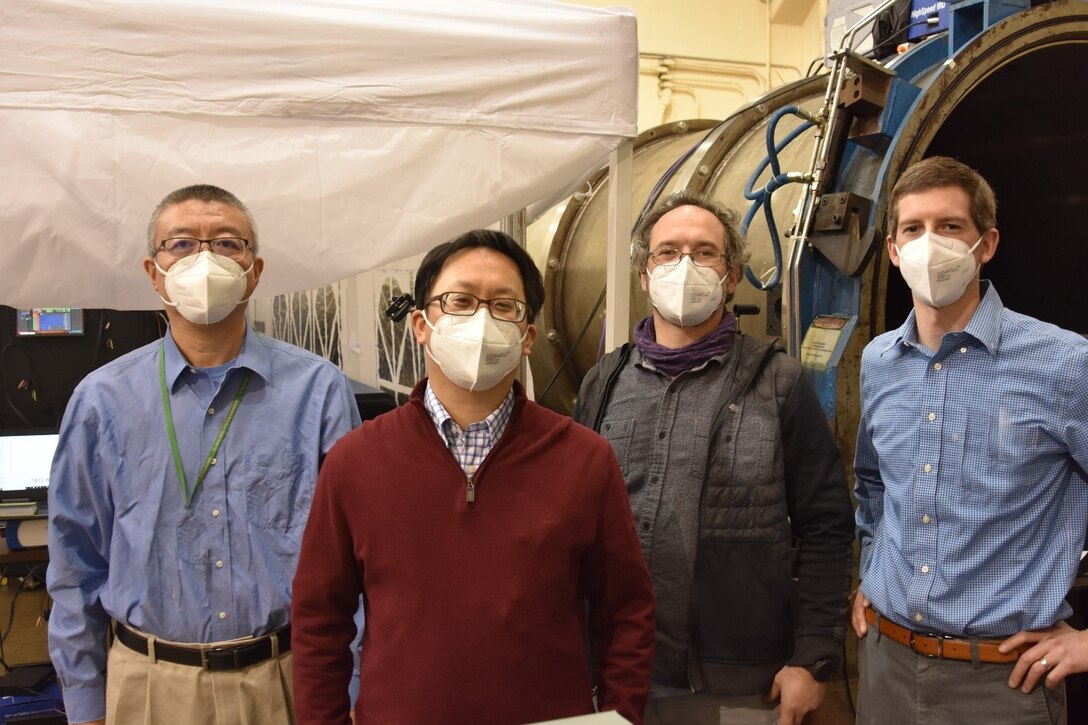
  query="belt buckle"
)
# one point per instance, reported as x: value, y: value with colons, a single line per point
x: 217, y: 651
x: 940, y: 644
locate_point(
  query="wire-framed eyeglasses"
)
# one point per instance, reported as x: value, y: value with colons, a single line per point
x: 465, y: 305
x: 671, y: 256
x: 231, y: 247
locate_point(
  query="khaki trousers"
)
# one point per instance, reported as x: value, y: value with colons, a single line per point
x: 139, y: 690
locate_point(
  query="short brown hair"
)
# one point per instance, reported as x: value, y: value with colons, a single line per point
x: 736, y: 246
x: 939, y: 171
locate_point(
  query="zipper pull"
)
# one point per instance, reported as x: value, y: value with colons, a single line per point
x: 470, y: 492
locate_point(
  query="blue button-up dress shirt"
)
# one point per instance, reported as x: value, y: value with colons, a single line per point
x: 123, y: 544
x: 971, y: 485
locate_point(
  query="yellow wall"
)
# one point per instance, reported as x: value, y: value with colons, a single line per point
x: 705, y: 58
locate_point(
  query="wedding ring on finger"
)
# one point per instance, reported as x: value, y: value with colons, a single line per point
x: 1044, y: 664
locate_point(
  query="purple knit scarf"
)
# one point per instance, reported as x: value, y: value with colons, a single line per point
x: 671, y: 361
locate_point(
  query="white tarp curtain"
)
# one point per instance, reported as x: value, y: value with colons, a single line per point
x: 359, y: 132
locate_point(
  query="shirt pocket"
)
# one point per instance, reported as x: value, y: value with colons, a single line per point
x: 194, y: 534
x: 1014, y: 435
x: 279, y: 489
x: 619, y: 432
x: 1013, y: 440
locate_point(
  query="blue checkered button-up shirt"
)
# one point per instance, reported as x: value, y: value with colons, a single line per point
x: 470, y: 445
x: 971, y: 484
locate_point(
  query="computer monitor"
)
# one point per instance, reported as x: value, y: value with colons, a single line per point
x: 25, y: 458
x: 50, y: 321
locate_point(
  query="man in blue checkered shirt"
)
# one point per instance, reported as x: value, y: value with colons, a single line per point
x: 971, y: 484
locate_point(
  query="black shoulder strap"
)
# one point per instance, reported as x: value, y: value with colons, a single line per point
x: 609, y: 383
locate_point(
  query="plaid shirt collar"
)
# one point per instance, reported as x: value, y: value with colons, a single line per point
x: 447, y: 426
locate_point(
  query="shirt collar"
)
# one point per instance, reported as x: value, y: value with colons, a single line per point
x: 984, y: 326
x: 907, y: 334
x: 496, y: 422
x: 253, y: 356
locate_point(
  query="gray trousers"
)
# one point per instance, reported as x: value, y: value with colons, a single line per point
x: 898, y: 686
x: 703, y: 709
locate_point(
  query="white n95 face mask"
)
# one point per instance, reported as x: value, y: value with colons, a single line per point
x: 205, y: 287
x: 685, y: 294
x: 938, y: 269
x: 475, y: 352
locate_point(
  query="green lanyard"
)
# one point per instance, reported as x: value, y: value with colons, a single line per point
x: 174, y: 438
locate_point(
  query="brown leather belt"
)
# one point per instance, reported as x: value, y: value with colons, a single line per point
x: 212, y: 658
x: 942, y: 646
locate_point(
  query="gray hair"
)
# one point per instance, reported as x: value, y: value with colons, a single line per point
x: 199, y: 192
x: 736, y: 246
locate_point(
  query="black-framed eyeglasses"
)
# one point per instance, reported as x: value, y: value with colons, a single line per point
x: 671, y: 256
x: 232, y: 247
x: 465, y: 305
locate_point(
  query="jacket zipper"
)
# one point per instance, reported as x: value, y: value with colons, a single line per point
x: 740, y: 388
x: 470, y: 478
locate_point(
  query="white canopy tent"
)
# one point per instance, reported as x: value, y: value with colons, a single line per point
x: 359, y: 132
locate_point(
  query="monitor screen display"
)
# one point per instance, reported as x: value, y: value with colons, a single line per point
x: 25, y: 459
x: 49, y: 321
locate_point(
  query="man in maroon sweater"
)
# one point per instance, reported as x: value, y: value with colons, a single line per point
x: 486, y: 534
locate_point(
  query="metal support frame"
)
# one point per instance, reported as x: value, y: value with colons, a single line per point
x: 618, y: 269
x: 514, y: 225
x: 825, y: 136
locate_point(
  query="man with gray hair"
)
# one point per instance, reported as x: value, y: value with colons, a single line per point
x: 735, y: 482
x: 179, y: 491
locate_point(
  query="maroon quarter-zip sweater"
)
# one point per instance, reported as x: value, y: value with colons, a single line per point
x: 475, y: 610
